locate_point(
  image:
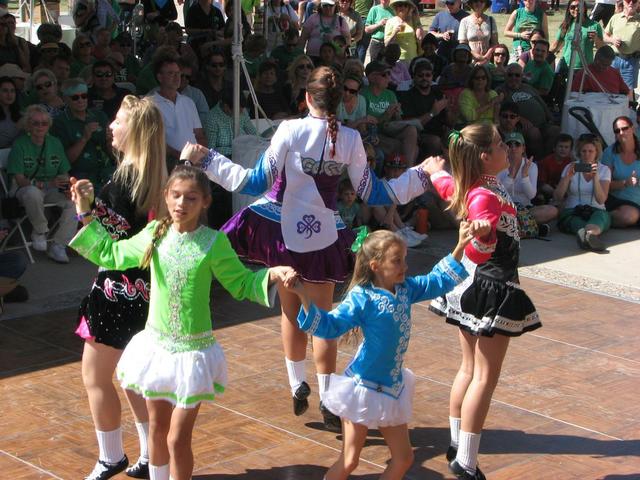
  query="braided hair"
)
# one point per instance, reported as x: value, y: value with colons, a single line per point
x: 325, y: 88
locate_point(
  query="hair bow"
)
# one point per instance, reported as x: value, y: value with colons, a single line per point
x: 361, y: 236
x: 455, y: 136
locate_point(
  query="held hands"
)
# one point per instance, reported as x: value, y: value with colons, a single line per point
x: 286, y: 275
x: 82, y: 194
x: 194, y: 153
x: 472, y: 229
x: 431, y: 165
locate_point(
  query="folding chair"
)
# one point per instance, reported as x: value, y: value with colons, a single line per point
x: 17, y: 222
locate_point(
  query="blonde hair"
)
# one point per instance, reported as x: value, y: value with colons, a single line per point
x: 143, y: 166
x: 179, y: 173
x: 593, y: 140
x: 291, y: 69
x: 374, y: 247
x: 465, y: 150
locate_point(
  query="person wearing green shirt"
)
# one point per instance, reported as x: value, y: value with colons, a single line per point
x: 175, y: 363
x: 38, y: 167
x: 521, y: 24
x: 374, y: 26
x: 590, y: 35
x: 84, y: 134
x: 537, y: 72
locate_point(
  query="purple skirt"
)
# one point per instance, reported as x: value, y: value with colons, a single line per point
x: 259, y: 239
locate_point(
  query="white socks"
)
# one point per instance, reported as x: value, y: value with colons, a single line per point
x: 159, y: 473
x: 143, y: 436
x: 110, y: 445
x: 468, y: 450
x: 454, y: 426
x: 323, y: 383
x: 297, y: 373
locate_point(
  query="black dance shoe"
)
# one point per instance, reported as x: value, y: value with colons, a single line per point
x: 300, y: 402
x: 104, y: 470
x: 462, y: 474
x: 139, y: 469
x: 451, y: 452
x: 332, y: 422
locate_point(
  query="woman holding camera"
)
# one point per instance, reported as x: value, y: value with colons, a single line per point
x: 583, y: 188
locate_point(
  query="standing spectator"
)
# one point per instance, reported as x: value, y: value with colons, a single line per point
x: 159, y: 11
x: 521, y: 24
x: 478, y: 103
x: 45, y: 85
x: 24, y: 47
x: 608, y: 78
x: 104, y: 95
x: 39, y: 167
x: 355, y: 22
x: 81, y: 52
x: 181, y: 121
x: 84, y: 135
x: 204, y: 23
x: 321, y: 27
x: 623, y: 34
x: 603, y: 10
x: 375, y: 26
x: 479, y: 31
x: 590, y: 35
x: 429, y: 45
x: 623, y: 159
x: 445, y: 26
x: 11, y: 51
x: 552, y: 166
x: 428, y: 105
x: 296, y: 87
x: 211, y: 80
x: 9, y: 112
x: 269, y: 95
x: 187, y: 72
x: 404, y: 29
x: 281, y: 17
x: 362, y: 8
x: 537, y: 72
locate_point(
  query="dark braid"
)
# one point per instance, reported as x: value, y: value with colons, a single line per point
x: 325, y: 88
x: 158, y: 234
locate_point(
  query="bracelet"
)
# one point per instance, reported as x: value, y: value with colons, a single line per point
x: 83, y: 215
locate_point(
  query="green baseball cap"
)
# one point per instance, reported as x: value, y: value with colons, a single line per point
x: 514, y: 137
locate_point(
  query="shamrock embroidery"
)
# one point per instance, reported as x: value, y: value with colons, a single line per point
x: 309, y: 225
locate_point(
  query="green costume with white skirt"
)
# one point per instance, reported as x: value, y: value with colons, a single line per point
x: 176, y: 357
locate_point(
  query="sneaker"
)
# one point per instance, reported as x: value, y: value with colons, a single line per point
x: 104, y: 470
x: 418, y: 236
x: 581, y: 237
x: 39, y: 242
x: 409, y: 240
x: 332, y: 422
x: 462, y: 474
x: 300, y: 402
x: 140, y: 469
x: 58, y: 253
x: 595, y: 242
x: 544, y: 229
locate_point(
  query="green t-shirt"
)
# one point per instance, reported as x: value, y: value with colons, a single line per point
x: 24, y: 156
x: 378, y: 105
x: 94, y: 162
x: 585, y: 42
x: 363, y: 7
x: 526, y: 21
x: 376, y: 14
x: 539, y: 76
x: 284, y: 56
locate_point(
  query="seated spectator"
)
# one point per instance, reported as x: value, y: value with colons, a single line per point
x: 526, y: 56
x: 81, y: 51
x: 123, y: 44
x: 520, y: 179
x: 11, y: 50
x: 46, y: 33
x: 478, y: 103
x: 623, y: 159
x: 284, y: 53
x: 83, y: 134
x: 457, y: 73
x: 352, y: 110
x: 86, y: 19
x: 254, y: 48
x: 584, y: 195
x: 353, y: 66
x: 429, y: 46
x: 341, y: 48
x: 43, y: 83
x: 229, y: 24
x: 400, y: 75
x: 101, y: 49
x: 9, y: 112
x: 104, y: 95
x: 602, y: 76
x: 187, y: 73
x: 269, y: 95
x: 510, y: 120
x: 387, y: 216
x: 327, y: 56
x: 537, y: 71
x: 204, y: 23
x: 383, y: 104
x: 218, y: 124
x: 19, y: 79
x: 296, y: 86
x: 281, y: 17
x: 211, y: 80
x: 175, y: 39
x: 498, y: 65
x: 45, y: 54
x: 61, y: 68
x: 348, y: 205
x: 427, y: 104
x: 39, y: 169
x: 552, y: 165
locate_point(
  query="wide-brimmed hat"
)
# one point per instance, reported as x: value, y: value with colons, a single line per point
x: 398, y: 2
x: 327, y: 2
x: 13, y: 71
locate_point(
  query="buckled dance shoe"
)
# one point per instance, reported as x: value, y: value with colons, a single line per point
x: 139, y: 469
x: 332, y: 422
x: 300, y: 402
x: 462, y: 474
x: 104, y: 470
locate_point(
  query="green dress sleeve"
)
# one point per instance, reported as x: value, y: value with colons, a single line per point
x: 96, y: 245
x: 238, y: 280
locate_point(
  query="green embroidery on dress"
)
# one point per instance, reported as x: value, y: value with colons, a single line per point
x: 190, y: 400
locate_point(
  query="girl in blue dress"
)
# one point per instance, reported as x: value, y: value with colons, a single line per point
x: 375, y: 390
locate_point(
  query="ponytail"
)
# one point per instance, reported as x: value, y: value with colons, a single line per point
x: 158, y: 234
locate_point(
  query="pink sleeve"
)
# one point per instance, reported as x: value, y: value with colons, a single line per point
x: 483, y: 205
x: 443, y: 183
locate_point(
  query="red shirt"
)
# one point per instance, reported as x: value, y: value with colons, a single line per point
x: 550, y: 170
x: 610, y: 79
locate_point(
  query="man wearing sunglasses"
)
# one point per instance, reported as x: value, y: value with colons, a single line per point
x: 104, y: 95
x: 623, y: 34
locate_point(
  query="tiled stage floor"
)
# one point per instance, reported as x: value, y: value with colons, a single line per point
x: 567, y: 406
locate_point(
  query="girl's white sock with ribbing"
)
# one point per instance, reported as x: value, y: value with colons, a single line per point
x: 468, y: 450
x: 159, y: 472
x: 110, y: 445
x: 454, y: 426
x: 296, y: 372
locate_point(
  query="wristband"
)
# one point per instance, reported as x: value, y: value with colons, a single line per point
x: 83, y: 215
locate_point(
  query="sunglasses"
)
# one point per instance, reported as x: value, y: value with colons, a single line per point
x: 509, y: 116
x: 304, y: 66
x: 102, y: 74
x: 79, y: 96
x: 42, y: 123
x: 42, y: 86
x: 621, y: 129
x: 499, y: 54
x: 514, y: 75
x: 351, y: 90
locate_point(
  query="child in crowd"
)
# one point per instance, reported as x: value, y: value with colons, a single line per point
x: 551, y: 167
x: 327, y: 56
x: 175, y: 363
x: 375, y: 390
x: 102, y: 49
x: 349, y: 208
x: 400, y: 75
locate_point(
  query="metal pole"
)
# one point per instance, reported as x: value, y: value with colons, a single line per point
x: 236, y: 50
x: 577, y: 38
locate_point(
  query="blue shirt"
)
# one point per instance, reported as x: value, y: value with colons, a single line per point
x: 444, y: 22
x: 385, y: 321
x: 622, y: 171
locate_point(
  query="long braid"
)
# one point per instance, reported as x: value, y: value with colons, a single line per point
x: 159, y: 232
x: 325, y: 88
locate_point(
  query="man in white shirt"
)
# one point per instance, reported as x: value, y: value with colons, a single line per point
x: 180, y: 115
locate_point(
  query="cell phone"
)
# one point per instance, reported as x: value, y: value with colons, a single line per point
x: 582, y: 167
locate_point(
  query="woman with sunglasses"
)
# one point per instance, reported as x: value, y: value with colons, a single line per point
x: 478, y: 103
x: 479, y: 31
x: 352, y: 110
x: 404, y: 29
x: 498, y: 64
x: 321, y: 27
x: 81, y: 51
x: 296, y: 87
x: 623, y: 158
x: 45, y: 86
